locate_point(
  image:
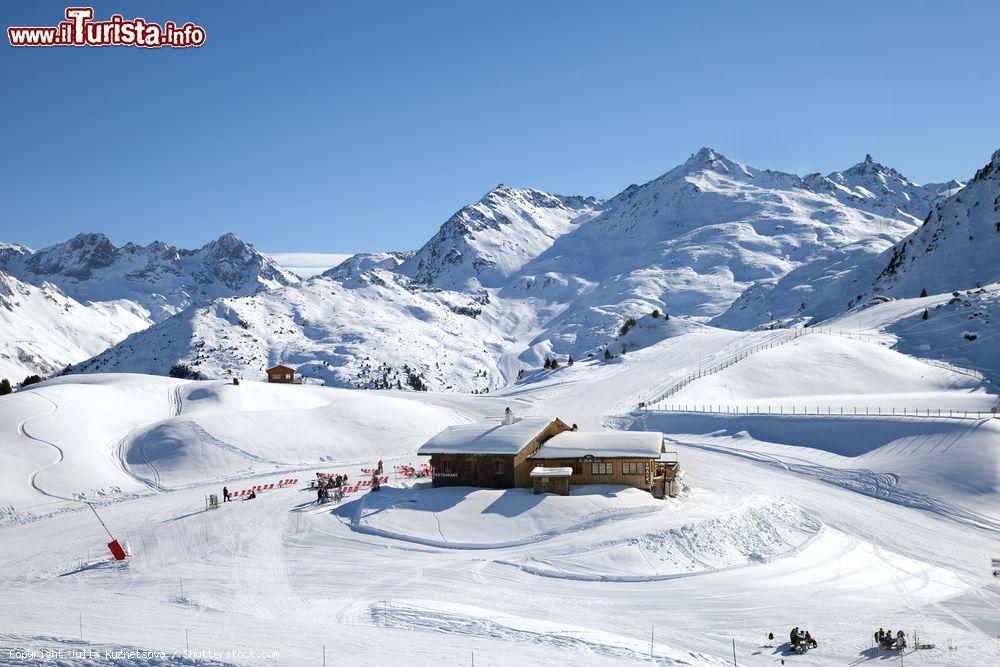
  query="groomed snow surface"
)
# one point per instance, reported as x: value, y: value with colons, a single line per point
x: 837, y: 524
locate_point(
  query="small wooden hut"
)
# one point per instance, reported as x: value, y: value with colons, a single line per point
x: 281, y: 374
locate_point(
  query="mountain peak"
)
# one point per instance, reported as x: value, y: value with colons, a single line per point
x: 706, y: 157
x: 990, y: 169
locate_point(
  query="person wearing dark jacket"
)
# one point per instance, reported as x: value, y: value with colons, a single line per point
x: 225, y: 495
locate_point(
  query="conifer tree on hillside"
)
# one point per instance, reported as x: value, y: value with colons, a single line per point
x: 655, y: 313
x: 925, y: 315
x: 923, y: 293
x: 31, y: 379
x: 607, y: 354
x: 5, y: 387
x: 569, y: 361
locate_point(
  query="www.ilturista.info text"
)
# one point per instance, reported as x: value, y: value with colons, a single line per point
x: 81, y: 30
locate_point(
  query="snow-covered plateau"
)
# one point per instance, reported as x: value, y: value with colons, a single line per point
x: 822, y: 364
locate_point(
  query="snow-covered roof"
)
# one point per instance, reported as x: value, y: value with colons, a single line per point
x: 486, y: 437
x: 601, y: 444
x: 539, y: 471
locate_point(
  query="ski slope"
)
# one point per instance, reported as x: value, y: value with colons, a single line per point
x: 837, y: 524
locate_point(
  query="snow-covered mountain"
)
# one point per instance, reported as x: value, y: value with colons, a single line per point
x: 159, y: 277
x: 689, y: 243
x: 873, y: 187
x: 375, y: 329
x: 954, y: 249
x: 957, y: 247
x: 485, y: 243
x: 67, y: 302
x: 43, y: 330
x: 523, y: 274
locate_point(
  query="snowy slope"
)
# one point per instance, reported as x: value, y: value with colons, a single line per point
x: 959, y: 328
x: 101, y: 437
x: 43, y: 330
x: 835, y: 524
x: 827, y: 371
x: 374, y: 330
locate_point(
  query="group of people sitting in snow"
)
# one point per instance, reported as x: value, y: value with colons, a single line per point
x: 323, y: 490
x: 800, y: 639
x: 885, y: 639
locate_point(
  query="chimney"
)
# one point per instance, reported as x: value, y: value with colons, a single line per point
x: 508, y: 417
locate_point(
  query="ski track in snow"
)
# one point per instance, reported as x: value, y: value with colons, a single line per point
x: 21, y: 428
x: 580, y: 641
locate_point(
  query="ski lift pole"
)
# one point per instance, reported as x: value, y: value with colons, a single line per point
x: 101, y: 520
x: 113, y: 545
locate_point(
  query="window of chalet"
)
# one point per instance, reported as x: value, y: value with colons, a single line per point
x: 471, y: 470
x: 600, y: 468
x: 443, y: 465
x: 632, y: 468
x: 497, y: 467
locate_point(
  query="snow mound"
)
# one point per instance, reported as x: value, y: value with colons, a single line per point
x: 760, y: 530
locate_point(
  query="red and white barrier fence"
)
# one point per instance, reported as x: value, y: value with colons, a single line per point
x: 258, y: 488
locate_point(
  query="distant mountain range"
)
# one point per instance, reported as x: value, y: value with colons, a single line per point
x: 67, y: 302
x: 523, y: 274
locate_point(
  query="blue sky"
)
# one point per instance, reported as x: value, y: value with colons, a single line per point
x: 343, y: 127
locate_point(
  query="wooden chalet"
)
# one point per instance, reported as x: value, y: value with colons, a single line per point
x: 545, y: 453
x: 281, y: 374
x: 629, y: 458
x: 491, y: 454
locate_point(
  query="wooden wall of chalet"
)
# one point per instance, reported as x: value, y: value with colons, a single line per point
x: 482, y: 469
x: 583, y: 471
x: 491, y: 471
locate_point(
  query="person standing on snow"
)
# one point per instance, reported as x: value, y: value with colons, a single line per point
x: 225, y: 495
x: 379, y: 466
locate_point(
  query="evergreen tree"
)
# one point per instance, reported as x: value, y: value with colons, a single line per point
x: 607, y: 354
x: 665, y: 315
x: 923, y: 293
x: 31, y: 379
x: 569, y: 361
x: 925, y: 315
x: 656, y: 313
x: 554, y: 365
x: 5, y: 387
